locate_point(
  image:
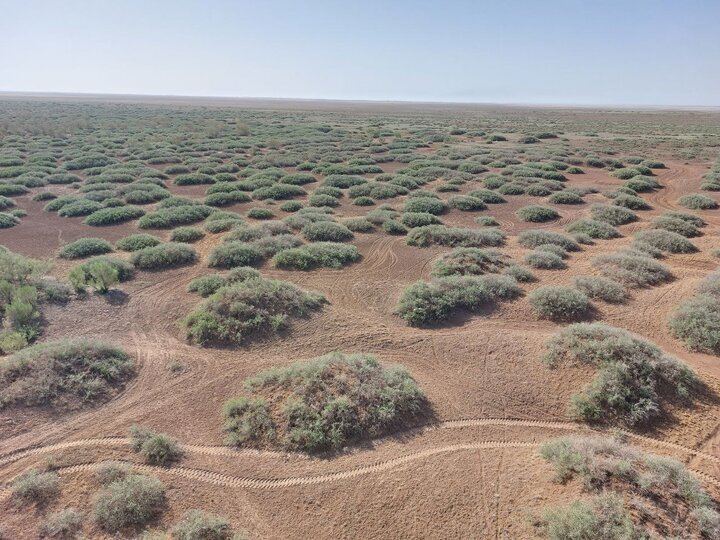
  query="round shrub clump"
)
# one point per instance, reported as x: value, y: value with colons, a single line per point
x: 130, y: 502
x: 535, y: 238
x: 186, y: 235
x: 85, y: 247
x: 65, y: 374
x: 260, y: 213
x: 545, y: 260
x: 631, y: 202
x: 697, y: 323
x: 233, y: 254
x: 537, y: 214
x: 633, y: 270
x: 169, y: 255
x: 316, y: 255
x: 466, y: 203
x: 665, y: 241
x: 323, y: 404
x: 565, y: 197
x: 559, y: 303
x: 198, y: 525
x: 614, y: 215
x: 327, y: 231
x: 428, y: 205
x: 594, y: 229
x: 113, y: 216
x: 697, y: 201
x: 137, y: 241
x: 602, y: 288
x: 249, y: 308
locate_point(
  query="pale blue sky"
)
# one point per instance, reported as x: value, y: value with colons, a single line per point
x: 653, y: 52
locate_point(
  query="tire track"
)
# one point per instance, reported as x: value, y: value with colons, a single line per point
x: 450, y: 424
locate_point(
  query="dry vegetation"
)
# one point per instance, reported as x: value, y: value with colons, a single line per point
x: 160, y: 260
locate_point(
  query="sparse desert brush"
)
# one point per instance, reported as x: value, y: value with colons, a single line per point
x: 454, y: 237
x: 82, y: 275
x: 199, y: 525
x: 191, y: 179
x: 666, y: 241
x: 487, y: 221
x: 428, y: 205
x: 130, y: 502
x: 537, y: 214
x: 155, y: 448
x: 425, y: 303
x: 206, y: 285
x: 81, y: 207
x: 661, y: 486
x: 559, y: 303
x: 470, y: 261
x: 226, y: 198
x: 327, y: 231
x: 97, y: 273
x: 316, y: 255
x: 511, y: 189
x: 249, y: 308
x: 260, y: 213
x: 7, y: 220
x: 692, y: 219
x: 137, y: 241
x: 545, y: 260
x: 631, y: 202
x: 565, y: 197
x: 35, y: 487
x: 85, y: 247
x: 232, y: 254
x: 535, y: 238
x: 114, y: 216
x: 519, y: 273
x: 111, y: 471
x: 291, y: 206
x: 676, y: 225
x: 320, y: 199
x: 633, y: 270
x: 324, y: 403
x: 696, y: 201
x: 160, y: 257
x: 466, y: 203
x: 174, y: 216
x: 359, y: 224
x: 392, y: 226
x: 65, y: 523
x: 186, y: 235
x: 601, y: 288
x: 600, y: 230
x: 65, y: 374
x: 634, y: 376
x: 697, y: 320
x: 278, y: 192
x: 487, y: 196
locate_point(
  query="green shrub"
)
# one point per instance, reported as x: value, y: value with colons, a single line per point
x: 13, y: 190
x: 278, y: 192
x: 424, y: 303
x: 131, y: 502
x: 174, y: 216
x: 363, y: 201
x: 519, y: 273
x: 466, y: 203
x: 206, y: 285
x: 111, y: 471
x: 291, y: 206
x: 454, y: 237
x: 81, y: 207
x: 559, y: 303
x: 114, y: 216
x: 696, y: 201
x: 163, y: 256
x: 631, y: 372
x: 35, y: 486
x: 487, y: 196
x: 324, y: 403
x: 316, y: 255
x: 63, y: 374
x: 85, y: 247
x: 135, y: 242
x: 545, y: 260
x: 7, y: 220
x: 697, y: 323
x: 675, y: 225
x: 614, y: 215
x: 666, y: 241
x: 470, y: 262
x: 392, y: 226
x: 594, y: 229
x: 632, y: 270
x: 358, y: 224
x: 427, y: 205
x: 327, y: 231
x: 565, y: 197
x: 319, y: 199
x: 631, y: 202
x: 535, y: 238
x: 247, y: 309
x: 487, y: 221
x: 537, y: 214
x: 198, y: 525
x: 511, y: 189
x: 155, y: 448
x: 186, y: 235
x: 260, y: 213
x: 602, y: 288
x: 97, y: 273
x: 602, y: 517
x: 233, y: 254
x: 192, y: 179
x: 63, y: 524
x: 226, y: 198
x: 81, y: 273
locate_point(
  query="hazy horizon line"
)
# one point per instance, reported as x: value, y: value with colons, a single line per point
x: 580, y: 105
